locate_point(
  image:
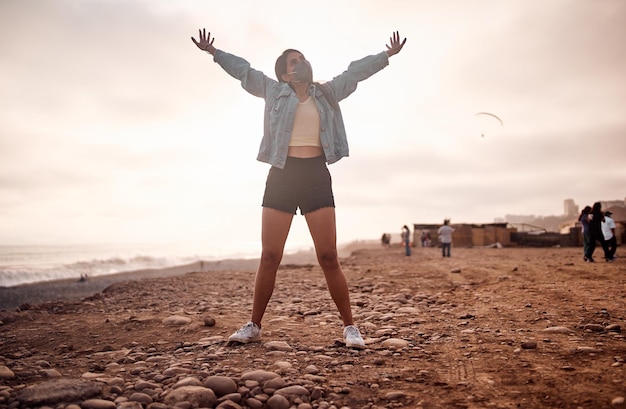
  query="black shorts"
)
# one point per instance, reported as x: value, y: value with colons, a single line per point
x: 303, y: 183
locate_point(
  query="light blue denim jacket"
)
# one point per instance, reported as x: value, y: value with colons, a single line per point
x: 281, y: 102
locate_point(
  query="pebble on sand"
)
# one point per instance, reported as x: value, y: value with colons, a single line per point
x: 557, y: 330
x: 395, y: 395
x: 259, y: 375
x: 529, y: 345
x: 294, y: 390
x: 278, y: 402
x: 221, y: 385
x: 58, y: 390
x: 395, y: 343
x: 209, y: 321
x: 198, y: 396
x: 98, y: 404
x: 278, y: 346
x: 175, y: 320
x: 6, y: 373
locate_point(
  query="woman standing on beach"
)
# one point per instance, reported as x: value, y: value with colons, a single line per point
x: 406, y: 239
x: 584, y: 229
x: 303, y: 131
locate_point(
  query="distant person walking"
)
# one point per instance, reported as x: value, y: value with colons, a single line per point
x: 608, y: 231
x: 595, y: 232
x: 445, y: 237
x: 386, y: 240
x: 303, y: 132
x: 406, y: 240
x: 584, y: 229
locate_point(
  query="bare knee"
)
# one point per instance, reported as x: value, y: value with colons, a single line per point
x: 270, y: 259
x: 328, y: 259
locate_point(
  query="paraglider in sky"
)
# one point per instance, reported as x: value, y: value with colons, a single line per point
x: 491, y: 115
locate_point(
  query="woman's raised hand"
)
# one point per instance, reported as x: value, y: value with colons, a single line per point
x: 396, y: 45
x: 206, y: 42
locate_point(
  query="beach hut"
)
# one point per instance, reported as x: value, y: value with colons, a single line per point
x: 469, y: 235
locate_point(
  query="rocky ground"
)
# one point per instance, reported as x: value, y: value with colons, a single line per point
x: 487, y: 328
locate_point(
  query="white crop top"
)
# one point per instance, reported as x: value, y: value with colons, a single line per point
x: 306, y: 125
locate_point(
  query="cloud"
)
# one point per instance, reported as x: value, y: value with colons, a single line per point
x: 113, y: 125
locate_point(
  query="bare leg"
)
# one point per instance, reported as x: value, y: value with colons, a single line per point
x: 274, y: 231
x: 324, y: 232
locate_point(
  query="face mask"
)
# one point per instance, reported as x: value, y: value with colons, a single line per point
x: 302, y: 72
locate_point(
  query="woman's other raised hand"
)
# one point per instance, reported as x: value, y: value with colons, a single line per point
x: 396, y: 45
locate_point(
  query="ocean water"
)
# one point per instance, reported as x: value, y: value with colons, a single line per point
x: 30, y: 264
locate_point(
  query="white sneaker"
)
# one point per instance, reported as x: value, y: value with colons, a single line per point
x: 352, y: 337
x: 250, y: 332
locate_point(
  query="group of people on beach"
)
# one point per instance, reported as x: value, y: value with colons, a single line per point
x: 597, y: 227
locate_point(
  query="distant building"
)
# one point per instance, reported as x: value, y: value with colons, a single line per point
x: 557, y: 223
x: 549, y: 223
x: 520, y: 218
x: 612, y: 203
x: 468, y: 235
x: 570, y: 208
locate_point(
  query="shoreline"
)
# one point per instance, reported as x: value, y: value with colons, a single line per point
x: 73, y: 289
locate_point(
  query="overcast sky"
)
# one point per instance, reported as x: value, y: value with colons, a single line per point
x: 114, y: 127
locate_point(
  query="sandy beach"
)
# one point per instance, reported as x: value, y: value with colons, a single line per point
x: 486, y: 328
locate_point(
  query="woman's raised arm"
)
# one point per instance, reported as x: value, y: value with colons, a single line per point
x: 395, y: 46
x: 206, y: 42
